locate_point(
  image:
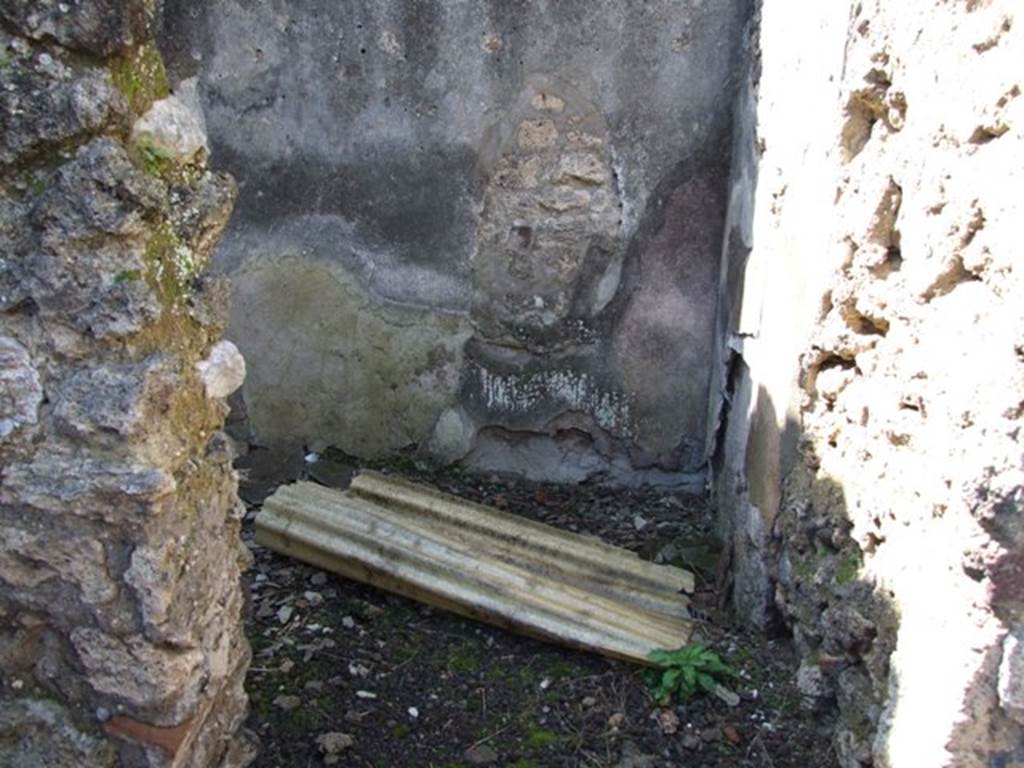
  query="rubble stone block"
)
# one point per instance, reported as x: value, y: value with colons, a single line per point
x: 20, y: 390
x: 99, y: 27
x: 120, y: 557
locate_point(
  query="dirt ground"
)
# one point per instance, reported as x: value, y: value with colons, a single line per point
x: 346, y: 675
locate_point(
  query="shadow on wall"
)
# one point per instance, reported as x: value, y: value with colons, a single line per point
x: 868, y: 470
x: 799, y: 572
x: 1000, y: 511
x: 843, y: 623
x: 872, y: 662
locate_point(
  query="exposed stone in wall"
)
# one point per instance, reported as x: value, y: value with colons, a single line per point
x: 545, y: 177
x: 872, y: 465
x: 120, y: 633
x: 548, y: 258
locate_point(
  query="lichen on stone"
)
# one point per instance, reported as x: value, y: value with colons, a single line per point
x: 170, y: 266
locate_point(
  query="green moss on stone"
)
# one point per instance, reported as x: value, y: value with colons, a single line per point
x: 140, y: 76
x: 170, y: 266
x: 803, y: 569
x: 127, y: 276
x: 848, y: 568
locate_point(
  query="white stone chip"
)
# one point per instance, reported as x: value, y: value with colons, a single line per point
x: 176, y: 124
x: 1011, y: 675
x: 20, y: 390
x: 223, y: 371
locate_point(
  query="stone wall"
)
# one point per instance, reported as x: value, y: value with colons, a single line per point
x: 120, y: 631
x: 484, y: 230
x: 871, y: 357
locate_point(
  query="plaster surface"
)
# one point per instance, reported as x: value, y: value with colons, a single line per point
x: 546, y: 177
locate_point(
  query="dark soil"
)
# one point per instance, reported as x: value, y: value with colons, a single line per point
x: 397, y: 684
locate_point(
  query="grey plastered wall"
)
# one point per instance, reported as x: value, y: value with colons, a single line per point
x: 487, y: 229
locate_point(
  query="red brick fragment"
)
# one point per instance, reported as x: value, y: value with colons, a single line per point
x: 169, y: 739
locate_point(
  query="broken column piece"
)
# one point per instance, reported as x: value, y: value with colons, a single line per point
x: 482, y: 563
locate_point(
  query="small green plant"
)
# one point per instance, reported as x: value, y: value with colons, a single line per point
x: 464, y: 659
x: 539, y: 738
x: 559, y: 669
x: 687, y: 670
x: 155, y: 160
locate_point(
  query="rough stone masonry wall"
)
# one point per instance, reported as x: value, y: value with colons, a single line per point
x: 872, y: 354
x: 485, y: 230
x: 120, y: 633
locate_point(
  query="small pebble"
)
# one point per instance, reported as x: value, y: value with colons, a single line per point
x: 333, y: 742
x: 710, y: 734
x: 481, y: 755
x: 668, y: 720
x: 730, y: 698
x: 287, y: 702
